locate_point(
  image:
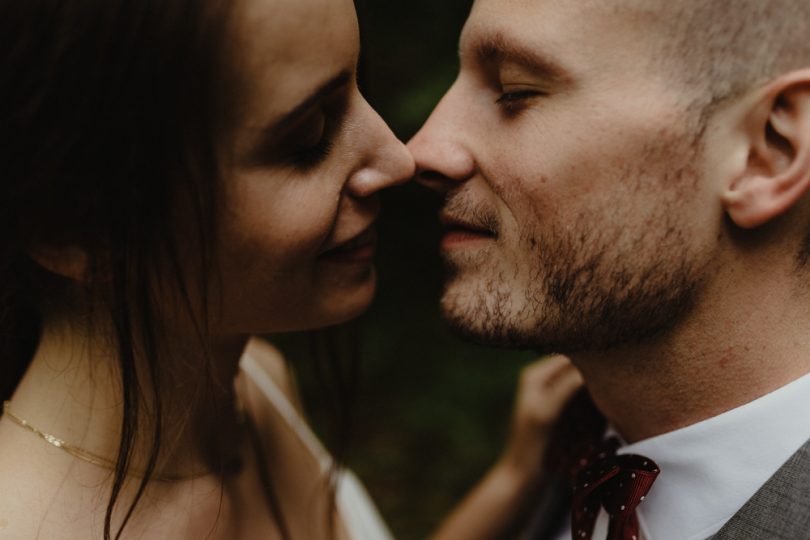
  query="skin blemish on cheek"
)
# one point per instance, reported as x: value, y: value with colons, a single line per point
x: 726, y: 358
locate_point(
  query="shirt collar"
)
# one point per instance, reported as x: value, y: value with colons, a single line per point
x: 710, y: 469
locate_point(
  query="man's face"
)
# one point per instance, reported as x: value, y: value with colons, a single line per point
x: 577, y: 214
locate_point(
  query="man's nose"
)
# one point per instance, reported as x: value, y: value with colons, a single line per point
x: 443, y: 158
x: 389, y: 161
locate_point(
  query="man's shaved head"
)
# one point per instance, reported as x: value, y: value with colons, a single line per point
x: 587, y: 149
x: 721, y: 48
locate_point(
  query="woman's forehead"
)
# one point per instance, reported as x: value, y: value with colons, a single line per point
x: 281, y: 33
x: 286, y: 48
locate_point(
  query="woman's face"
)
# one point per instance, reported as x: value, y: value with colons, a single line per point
x: 308, y: 156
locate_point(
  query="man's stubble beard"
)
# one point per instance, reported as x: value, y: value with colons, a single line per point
x: 589, y: 286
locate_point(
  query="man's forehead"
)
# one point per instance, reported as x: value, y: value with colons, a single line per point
x: 566, y: 27
x: 549, y: 14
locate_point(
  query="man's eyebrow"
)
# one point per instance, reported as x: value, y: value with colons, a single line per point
x: 498, y: 48
x: 338, y: 81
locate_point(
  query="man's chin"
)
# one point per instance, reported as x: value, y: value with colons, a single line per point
x: 482, y: 316
x: 488, y: 333
x: 476, y: 319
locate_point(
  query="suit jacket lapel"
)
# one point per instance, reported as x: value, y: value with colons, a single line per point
x: 780, y: 509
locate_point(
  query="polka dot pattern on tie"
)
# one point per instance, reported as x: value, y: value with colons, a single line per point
x: 617, y: 483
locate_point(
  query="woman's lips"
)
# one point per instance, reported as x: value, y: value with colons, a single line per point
x: 359, y: 249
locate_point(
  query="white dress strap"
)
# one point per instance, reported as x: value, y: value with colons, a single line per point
x: 359, y: 514
x: 285, y: 409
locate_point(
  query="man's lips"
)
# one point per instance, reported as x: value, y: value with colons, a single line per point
x: 356, y: 249
x: 458, y: 231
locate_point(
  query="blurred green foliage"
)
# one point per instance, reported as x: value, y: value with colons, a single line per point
x: 431, y: 412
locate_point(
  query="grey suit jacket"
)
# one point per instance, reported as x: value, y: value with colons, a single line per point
x: 780, y: 510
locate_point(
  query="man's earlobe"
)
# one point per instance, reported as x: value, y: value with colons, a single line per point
x: 777, y: 174
x: 70, y: 262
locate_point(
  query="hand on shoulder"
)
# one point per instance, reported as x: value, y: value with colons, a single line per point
x: 544, y: 389
x: 501, y: 504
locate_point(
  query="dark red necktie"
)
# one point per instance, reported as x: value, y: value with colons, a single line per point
x: 616, y: 482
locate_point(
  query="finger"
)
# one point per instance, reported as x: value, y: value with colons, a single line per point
x: 559, y: 393
x: 545, y: 370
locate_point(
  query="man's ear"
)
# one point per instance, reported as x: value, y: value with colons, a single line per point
x: 70, y: 262
x: 777, y: 174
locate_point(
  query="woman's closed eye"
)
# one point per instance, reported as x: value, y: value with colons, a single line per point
x: 311, y: 142
x: 313, y: 139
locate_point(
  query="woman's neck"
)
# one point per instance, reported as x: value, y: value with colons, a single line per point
x: 73, y: 390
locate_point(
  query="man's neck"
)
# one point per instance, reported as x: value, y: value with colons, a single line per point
x: 733, y: 348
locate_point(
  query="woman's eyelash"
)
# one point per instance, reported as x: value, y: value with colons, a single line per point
x: 312, y: 155
x: 315, y: 155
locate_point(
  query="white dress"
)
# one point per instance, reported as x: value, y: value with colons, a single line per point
x: 360, y: 517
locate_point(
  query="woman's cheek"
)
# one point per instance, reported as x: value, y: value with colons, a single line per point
x: 288, y: 223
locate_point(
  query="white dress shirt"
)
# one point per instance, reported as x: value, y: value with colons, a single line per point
x: 709, y: 470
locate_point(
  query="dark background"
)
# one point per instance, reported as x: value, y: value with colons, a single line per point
x: 431, y: 413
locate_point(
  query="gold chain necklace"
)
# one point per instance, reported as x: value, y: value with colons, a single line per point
x: 81, y: 453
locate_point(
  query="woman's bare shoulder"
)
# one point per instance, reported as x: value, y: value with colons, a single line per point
x: 39, y: 496
x: 272, y: 361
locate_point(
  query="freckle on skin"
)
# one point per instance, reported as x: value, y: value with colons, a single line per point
x: 727, y: 357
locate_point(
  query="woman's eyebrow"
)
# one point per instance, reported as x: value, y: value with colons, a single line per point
x: 338, y: 81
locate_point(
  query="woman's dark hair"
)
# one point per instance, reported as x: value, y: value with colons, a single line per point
x: 110, y: 114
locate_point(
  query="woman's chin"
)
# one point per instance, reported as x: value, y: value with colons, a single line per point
x: 342, y: 306
x: 331, y: 303
x: 339, y: 303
